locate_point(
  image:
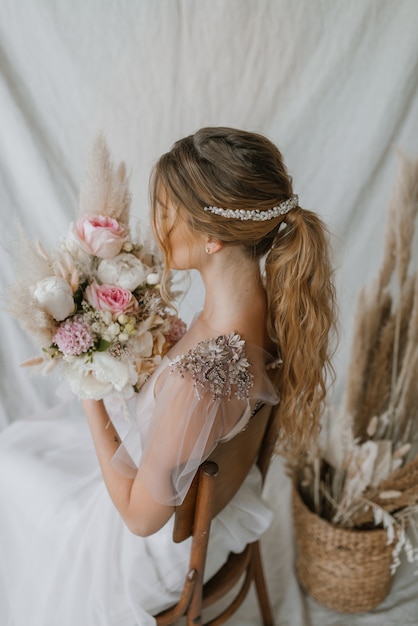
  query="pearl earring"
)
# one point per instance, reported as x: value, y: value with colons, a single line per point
x: 207, y: 249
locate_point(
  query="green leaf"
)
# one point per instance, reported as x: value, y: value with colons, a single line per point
x: 103, y: 345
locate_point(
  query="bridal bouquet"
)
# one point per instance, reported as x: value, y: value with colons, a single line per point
x: 93, y: 303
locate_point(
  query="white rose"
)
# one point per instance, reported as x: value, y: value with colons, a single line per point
x: 152, y: 279
x: 55, y: 295
x: 124, y: 270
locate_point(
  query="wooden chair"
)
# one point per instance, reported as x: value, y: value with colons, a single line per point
x: 216, y: 482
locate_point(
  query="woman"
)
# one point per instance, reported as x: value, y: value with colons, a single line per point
x: 222, y: 202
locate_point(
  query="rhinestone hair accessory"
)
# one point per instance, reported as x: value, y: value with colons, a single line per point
x: 255, y: 215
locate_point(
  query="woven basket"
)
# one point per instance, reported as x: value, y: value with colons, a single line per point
x: 345, y: 570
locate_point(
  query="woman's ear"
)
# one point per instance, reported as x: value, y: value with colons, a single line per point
x: 212, y: 246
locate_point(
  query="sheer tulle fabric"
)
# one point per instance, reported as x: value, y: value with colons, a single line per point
x: 177, y: 429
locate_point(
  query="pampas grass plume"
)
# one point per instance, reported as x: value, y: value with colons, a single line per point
x: 105, y: 188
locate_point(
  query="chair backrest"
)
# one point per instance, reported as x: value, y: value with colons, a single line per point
x: 216, y: 482
x: 231, y: 460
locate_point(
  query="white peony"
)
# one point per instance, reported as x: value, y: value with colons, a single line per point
x: 55, y: 295
x: 124, y: 270
x: 101, y: 376
x: 122, y: 374
x: 84, y: 384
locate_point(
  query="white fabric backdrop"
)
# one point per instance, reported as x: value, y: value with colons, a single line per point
x: 332, y: 82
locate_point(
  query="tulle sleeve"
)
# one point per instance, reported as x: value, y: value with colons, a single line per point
x: 197, y: 400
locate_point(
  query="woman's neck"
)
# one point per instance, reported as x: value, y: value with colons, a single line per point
x: 235, y: 298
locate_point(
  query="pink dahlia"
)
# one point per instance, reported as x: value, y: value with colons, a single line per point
x: 74, y: 336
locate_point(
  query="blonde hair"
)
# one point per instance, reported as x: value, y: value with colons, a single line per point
x: 236, y: 169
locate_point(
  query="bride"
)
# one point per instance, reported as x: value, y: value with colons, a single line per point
x: 86, y: 537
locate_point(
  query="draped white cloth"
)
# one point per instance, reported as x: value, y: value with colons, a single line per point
x: 334, y: 84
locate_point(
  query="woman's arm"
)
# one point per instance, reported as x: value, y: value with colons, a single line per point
x: 141, y: 513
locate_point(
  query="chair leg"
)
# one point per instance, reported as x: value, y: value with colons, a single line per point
x: 260, y: 585
x: 194, y: 611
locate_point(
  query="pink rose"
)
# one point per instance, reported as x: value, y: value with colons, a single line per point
x: 111, y: 298
x: 100, y: 235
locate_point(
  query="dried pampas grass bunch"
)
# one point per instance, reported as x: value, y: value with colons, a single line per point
x: 363, y: 472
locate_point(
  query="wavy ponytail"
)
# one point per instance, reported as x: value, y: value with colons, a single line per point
x: 301, y: 298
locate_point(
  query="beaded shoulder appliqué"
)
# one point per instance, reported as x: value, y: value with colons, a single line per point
x: 218, y: 364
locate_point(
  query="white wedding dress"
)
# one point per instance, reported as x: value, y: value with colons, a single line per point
x: 66, y: 557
